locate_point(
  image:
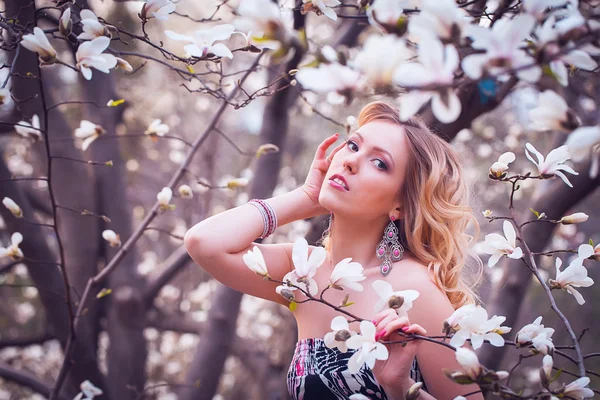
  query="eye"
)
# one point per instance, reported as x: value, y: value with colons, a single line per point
x: 379, y: 163
x: 352, y: 145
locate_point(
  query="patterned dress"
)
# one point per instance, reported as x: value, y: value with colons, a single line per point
x: 318, y: 372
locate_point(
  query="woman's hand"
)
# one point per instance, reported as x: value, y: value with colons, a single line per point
x: 318, y: 170
x: 395, y: 371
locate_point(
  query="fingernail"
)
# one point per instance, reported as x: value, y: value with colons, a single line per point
x: 404, y: 329
x: 374, y: 322
x: 382, y: 334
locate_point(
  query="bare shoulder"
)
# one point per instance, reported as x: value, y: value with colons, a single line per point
x: 433, y: 305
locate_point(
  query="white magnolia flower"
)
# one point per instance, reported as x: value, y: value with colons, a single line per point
x: 324, y: 7
x: 454, y: 320
x: 157, y: 128
x: 88, y: 390
x: 185, y: 191
x: 164, y: 196
x: 552, y: 164
x: 12, y: 207
x: 66, y: 24
x: 159, y: 9
x: 583, y: 142
x: 124, y: 65
x: 305, y: 266
x: 575, y: 218
x: 552, y: 113
x: 379, y: 58
x: 329, y: 78
x: 438, y: 19
x: 203, y: 41
x: 89, y: 55
x: 498, y: 245
x: 369, y: 350
x: 531, y: 331
x: 401, y: 301
x: 111, y: 237
x: 475, y: 325
x: 263, y: 21
x: 38, y: 43
x: 575, y: 275
x: 347, y: 274
x: 546, y: 37
x: 386, y: 12
x: 92, y: 28
x: 436, y: 67
x: 543, y: 344
x: 256, y: 262
x: 502, y: 44
x: 585, y: 251
x: 88, y: 131
x: 469, y: 361
x: 460, y: 398
x: 29, y: 130
x: 577, y: 389
x: 13, y: 251
x: 499, y: 167
x: 340, y: 333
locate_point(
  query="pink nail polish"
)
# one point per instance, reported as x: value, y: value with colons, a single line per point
x: 404, y: 329
x: 374, y: 322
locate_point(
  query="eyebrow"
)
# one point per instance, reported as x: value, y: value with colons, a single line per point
x: 378, y: 148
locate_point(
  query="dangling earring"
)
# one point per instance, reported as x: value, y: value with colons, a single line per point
x: 390, y: 248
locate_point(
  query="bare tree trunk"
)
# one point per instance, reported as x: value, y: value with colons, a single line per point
x: 78, y: 233
x: 125, y: 311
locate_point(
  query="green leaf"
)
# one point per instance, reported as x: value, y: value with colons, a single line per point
x: 591, y: 242
x: 114, y: 103
x: 103, y: 292
x: 537, y: 214
x: 293, y: 305
x: 348, y: 304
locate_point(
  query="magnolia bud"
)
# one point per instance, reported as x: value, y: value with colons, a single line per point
x: 185, y: 192
x: 395, y: 302
x: 124, y: 65
x: 487, y: 213
x: 66, y: 24
x: 574, y: 218
x: 414, y: 391
x: 343, y: 335
x: 502, y: 374
x: 237, y: 183
x: 287, y: 294
x: 498, y: 169
x: 12, y: 207
x: 266, y: 149
x: 111, y: 237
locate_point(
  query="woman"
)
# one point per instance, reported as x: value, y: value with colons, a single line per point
x: 389, y: 176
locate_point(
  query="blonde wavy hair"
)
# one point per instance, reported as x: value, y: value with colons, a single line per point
x: 437, y: 212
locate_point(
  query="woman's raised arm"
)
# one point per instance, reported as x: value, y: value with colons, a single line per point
x: 218, y: 243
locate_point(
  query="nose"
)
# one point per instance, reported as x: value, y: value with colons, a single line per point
x: 351, y: 162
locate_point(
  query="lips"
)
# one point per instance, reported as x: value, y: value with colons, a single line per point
x: 339, y: 179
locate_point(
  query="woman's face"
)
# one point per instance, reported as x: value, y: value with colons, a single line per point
x: 371, y: 168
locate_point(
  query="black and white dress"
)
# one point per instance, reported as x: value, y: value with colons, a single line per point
x: 318, y: 372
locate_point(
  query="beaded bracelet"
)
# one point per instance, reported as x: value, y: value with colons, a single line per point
x: 268, y: 215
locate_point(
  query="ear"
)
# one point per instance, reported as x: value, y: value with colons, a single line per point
x: 398, y: 212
